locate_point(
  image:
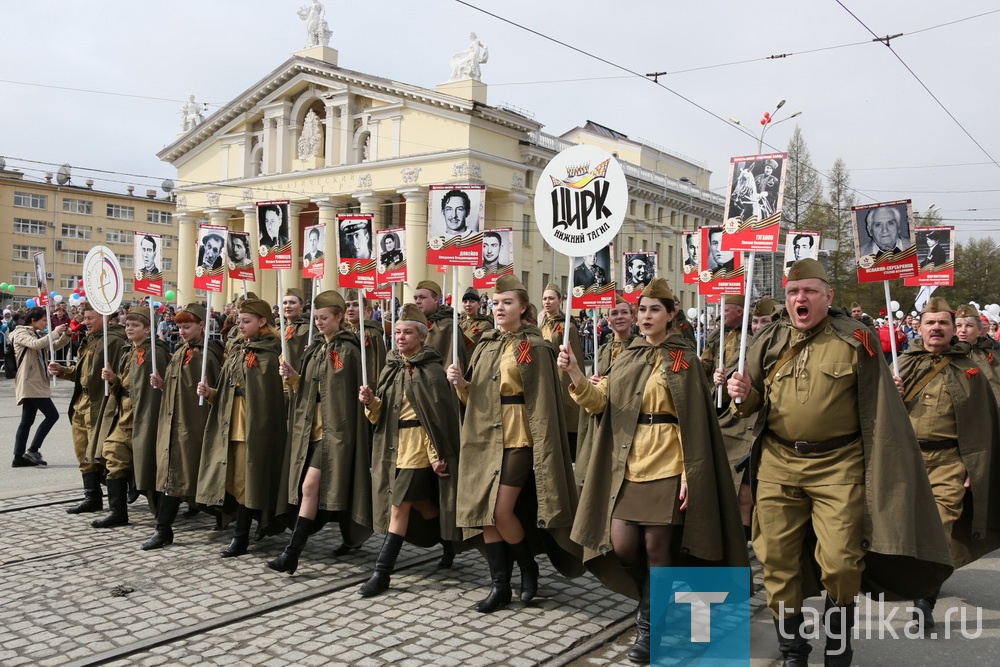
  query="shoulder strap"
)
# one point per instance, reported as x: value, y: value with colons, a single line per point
x: 795, y: 349
x: 928, y: 376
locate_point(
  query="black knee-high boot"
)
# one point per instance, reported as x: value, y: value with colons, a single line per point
x: 840, y: 627
x: 165, y: 517
x: 288, y: 561
x: 386, y: 561
x: 93, y: 497
x: 639, y: 653
x: 117, y: 490
x: 500, y: 594
x: 794, y: 647
x: 241, y: 534
x: 529, y: 569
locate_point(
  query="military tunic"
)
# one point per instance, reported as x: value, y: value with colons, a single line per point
x: 439, y: 324
x: 473, y: 327
x: 297, y: 337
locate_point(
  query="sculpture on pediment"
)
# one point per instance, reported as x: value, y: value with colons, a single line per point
x: 410, y: 174
x: 247, y: 194
x: 311, y: 138
x: 213, y: 199
x: 317, y: 30
x: 466, y: 168
x: 465, y: 64
x: 191, y: 114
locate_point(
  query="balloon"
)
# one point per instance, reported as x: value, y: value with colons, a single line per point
x: 899, y: 314
x: 157, y: 304
x: 53, y: 294
x: 763, y: 121
x: 170, y: 295
x: 894, y: 305
x: 83, y: 292
x: 11, y: 288
x: 58, y: 298
x: 30, y: 303
x: 162, y: 307
x: 3, y: 286
x: 80, y: 282
x: 692, y: 313
x: 993, y: 309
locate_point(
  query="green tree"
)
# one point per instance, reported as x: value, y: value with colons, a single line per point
x: 976, y: 272
x: 803, y: 188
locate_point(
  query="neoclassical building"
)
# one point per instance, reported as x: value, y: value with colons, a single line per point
x: 332, y: 140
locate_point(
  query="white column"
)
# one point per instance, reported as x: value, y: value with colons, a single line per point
x: 416, y: 239
x: 328, y: 207
x: 345, y: 132
x: 187, y: 252
x: 268, y: 161
x: 281, y: 157
x: 330, y: 126
x: 293, y: 277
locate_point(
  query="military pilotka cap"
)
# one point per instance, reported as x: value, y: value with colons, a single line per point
x: 350, y: 294
x: 348, y: 226
x: 734, y: 300
x: 430, y: 286
x: 258, y: 307
x: 765, y: 307
x: 141, y: 311
x: 967, y: 310
x: 412, y: 314
x: 619, y: 300
x: 552, y: 286
x: 296, y: 292
x: 197, y: 310
x: 330, y: 299
x: 855, y: 304
x: 808, y: 268
x: 658, y: 288
x: 470, y: 295
x: 508, y: 283
x: 936, y: 305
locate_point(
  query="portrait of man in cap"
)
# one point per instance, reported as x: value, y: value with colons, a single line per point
x: 640, y: 268
x: 355, y: 238
x: 391, y: 249
x: 933, y: 248
x: 210, y: 250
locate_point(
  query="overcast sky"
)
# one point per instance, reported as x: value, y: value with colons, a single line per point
x: 858, y: 102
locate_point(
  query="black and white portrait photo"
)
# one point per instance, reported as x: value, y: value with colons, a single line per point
x: 147, y: 255
x: 315, y: 240
x: 496, y: 249
x: 391, y: 250
x: 593, y: 270
x: 883, y: 230
x: 355, y: 237
x: 239, y: 250
x: 455, y: 211
x: 801, y: 245
x: 933, y: 247
x: 272, y: 226
x: 639, y: 268
x: 755, y: 187
x: 210, y: 245
x: 40, y: 280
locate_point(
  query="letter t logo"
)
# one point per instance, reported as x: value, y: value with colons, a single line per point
x: 701, y: 611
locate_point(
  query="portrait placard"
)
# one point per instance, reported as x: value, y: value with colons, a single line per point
x: 722, y: 271
x: 455, y: 215
x: 753, y: 206
x: 935, y: 257
x: 581, y: 200
x: 148, y: 253
x: 498, y: 258
x: 41, y: 278
x: 593, y: 280
x: 799, y: 244
x: 239, y: 253
x: 355, y: 261
x: 884, y: 246
x: 313, y: 254
x: 690, y: 252
x: 638, y: 268
x: 391, y: 255
x: 208, y: 268
x: 274, y: 245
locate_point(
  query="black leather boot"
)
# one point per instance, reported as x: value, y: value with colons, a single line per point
x: 529, y: 570
x: 165, y: 517
x: 639, y: 653
x: 343, y: 549
x: 500, y: 593
x: 241, y: 534
x: 923, y: 611
x: 288, y: 561
x: 133, y: 493
x: 379, y: 582
x: 840, y: 627
x: 447, y: 555
x: 794, y: 647
x: 93, y: 497
x: 117, y: 491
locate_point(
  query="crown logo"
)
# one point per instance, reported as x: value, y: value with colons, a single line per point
x: 577, y: 170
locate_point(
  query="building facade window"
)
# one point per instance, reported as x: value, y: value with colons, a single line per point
x: 670, y: 257
x: 168, y: 241
x: 25, y: 226
x: 118, y: 236
x: 31, y: 200
x: 76, y: 232
x: 24, y: 279
x: 78, y: 206
x: 119, y: 212
x: 168, y: 263
x: 74, y: 256
x: 129, y: 285
x: 160, y: 217
x: 526, y: 230
x: 26, y: 252
x: 69, y: 282
x: 125, y: 261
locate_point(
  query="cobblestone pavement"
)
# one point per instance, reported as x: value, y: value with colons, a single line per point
x: 184, y: 605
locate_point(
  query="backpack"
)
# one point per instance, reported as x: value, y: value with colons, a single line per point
x: 10, y: 360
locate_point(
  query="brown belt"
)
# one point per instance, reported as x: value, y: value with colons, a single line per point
x: 512, y: 400
x: 934, y: 445
x: 650, y: 418
x: 804, y: 447
x: 408, y: 423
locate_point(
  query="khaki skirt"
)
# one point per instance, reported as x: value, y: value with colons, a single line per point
x: 654, y: 503
x: 412, y: 484
x: 517, y: 466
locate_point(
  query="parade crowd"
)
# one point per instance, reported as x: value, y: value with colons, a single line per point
x: 846, y: 476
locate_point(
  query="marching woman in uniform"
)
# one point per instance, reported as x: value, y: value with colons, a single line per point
x: 125, y: 435
x: 515, y: 455
x: 415, y: 455
x: 181, y: 426
x: 244, y: 441
x: 325, y: 471
x: 658, y: 490
x: 553, y: 323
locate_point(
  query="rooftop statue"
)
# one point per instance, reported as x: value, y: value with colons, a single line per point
x: 191, y: 113
x: 317, y: 30
x: 465, y: 64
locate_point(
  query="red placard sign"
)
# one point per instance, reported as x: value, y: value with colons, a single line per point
x: 356, y: 263
x: 314, y: 255
x: 208, y: 268
x: 498, y: 258
x: 274, y: 243
x: 455, y: 216
x: 240, y: 256
x: 935, y: 257
x: 721, y: 270
x: 753, y: 207
x: 391, y: 255
x: 883, y: 241
x: 593, y: 280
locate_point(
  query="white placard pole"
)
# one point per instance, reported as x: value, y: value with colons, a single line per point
x: 747, y: 298
x: 892, y: 330
x: 454, y: 317
x: 596, y: 340
x: 204, y: 354
x: 392, y: 316
x: 361, y: 336
x: 722, y: 347
x: 312, y: 312
x: 152, y: 335
x: 569, y: 304
x: 698, y: 331
x: 105, y: 318
x: 281, y: 319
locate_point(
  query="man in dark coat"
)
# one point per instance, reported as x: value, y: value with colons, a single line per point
x: 836, y: 471
x: 439, y: 320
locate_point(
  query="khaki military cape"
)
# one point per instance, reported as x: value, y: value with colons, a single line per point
x: 177, y: 458
x: 374, y: 350
x: 473, y: 327
x: 977, y: 531
x: 588, y: 422
x: 145, y: 412
x: 986, y: 353
x: 93, y: 345
x: 299, y: 338
x: 712, y: 533
x: 555, y: 336
x: 330, y: 375
x: 436, y: 405
x: 265, y: 428
x: 907, y: 556
x: 681, y: 324
x: 546, y: 508
x: 440, y: 325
